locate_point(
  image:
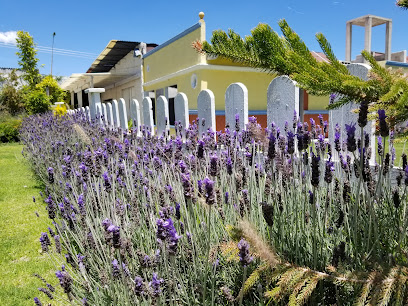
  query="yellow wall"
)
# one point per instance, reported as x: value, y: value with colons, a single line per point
x: 175, y: 56
x: 318, y: 102
x: 218, y: 81
x: 256, y: 82
x: 183, y: 83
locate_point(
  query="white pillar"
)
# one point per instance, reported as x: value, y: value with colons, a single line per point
x: 348, y: 41
x: 388, y: 34
x: 367, y: 37
x: 79, y: 97
x: 94, y: 97
x: 72, y: 99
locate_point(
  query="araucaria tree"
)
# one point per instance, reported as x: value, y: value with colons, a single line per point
x: 28, y: 58
x: 403, y: 4
x: 289, y: 55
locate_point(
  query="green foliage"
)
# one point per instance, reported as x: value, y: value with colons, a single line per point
x: 296, y: 285
x: 10, y: 95
x: 289, y: 55
x: 28, y: 58
x: 37, y: 101
x: 9, y: 127
x: 402, y: 4
x: 60, y: 110
x: 55, y: 92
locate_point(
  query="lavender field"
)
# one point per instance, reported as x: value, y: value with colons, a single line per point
x: 245, y: 217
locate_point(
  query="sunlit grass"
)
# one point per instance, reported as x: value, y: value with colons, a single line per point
x: 20, y: 229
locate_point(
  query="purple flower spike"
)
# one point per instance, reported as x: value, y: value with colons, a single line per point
x: 229, y: 166
x: 37, y: 301
x: 384, y: 131
x: 332, y: 98
x: 45, y: 242
x: 64, y: 279
x: 244, y: 256
x: 50, y: 175
x: 351, y: 141
x: 209, y: 190
x: 155, y: 285
x: 115, y: 269
x: 139, y: 286
x: 291, y: 142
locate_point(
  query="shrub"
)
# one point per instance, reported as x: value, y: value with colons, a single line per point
x: 55, y: 92
x: 158, y: 221
x: 11, y: 98
x: 9, y: 127
x: 60, y: 110
x: 37, y: 101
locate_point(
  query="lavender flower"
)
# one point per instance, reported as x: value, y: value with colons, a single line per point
x: 81, y: 205
x: 328, y: 174
x: 362, y: 114
x: 244, y: 256
x: 229, y: 165
x: 384, y: 131
x: 45, y: 242
x: 379, y: 146
x: 332, y: 98
x: 291, y: 142
x: 155, y: 285
x: 57, y: 244
x: 115, y: 269
x: 295, y: 119
x: 178, y: 216
x: 139, y: 286
x: 64, y: 279
x: 200, y: 149
x: 115, y: 230
x: 209, y: 191
x: 107, y: 182
x: 315, y: 170
x: 271, y: 146
x: 166, y: 232
x: 50, y: 175
x: 37, y: 301
x: 351, y: 141
x: 213, y: 165
x: 46, y: 292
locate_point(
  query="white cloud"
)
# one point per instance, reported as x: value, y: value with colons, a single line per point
x: 8, y: 37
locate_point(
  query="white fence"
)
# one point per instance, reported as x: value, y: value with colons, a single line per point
x: 282, y: 102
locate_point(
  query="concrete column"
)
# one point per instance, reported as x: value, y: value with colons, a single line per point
x: 79, y: 97
x: 388, y: 34
x: 94, y: 97
x: 72, y: 99
x: 348, y: 41
x: 368, y: 29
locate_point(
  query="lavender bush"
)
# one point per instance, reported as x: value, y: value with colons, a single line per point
x: 158, y: 220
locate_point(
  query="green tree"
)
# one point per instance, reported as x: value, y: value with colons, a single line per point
x: 403, y: 4
x: 28, y: 58
x: 10, y: 94
x: 289, y: 55
x: 55, y: 92
x: 37, y: 101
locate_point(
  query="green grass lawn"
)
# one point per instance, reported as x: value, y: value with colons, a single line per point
x: 20, y: 229
x: 400, y: 147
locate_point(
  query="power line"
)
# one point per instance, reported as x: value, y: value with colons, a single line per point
x: 48, y: 50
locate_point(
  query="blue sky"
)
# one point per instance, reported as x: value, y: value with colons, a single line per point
x: 88, y: 26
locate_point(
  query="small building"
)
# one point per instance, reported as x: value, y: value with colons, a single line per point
x: 118, y: 69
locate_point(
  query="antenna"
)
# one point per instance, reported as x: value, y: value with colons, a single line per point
x: 52, y: 51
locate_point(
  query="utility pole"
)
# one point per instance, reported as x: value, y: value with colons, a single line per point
x: 52, y: 51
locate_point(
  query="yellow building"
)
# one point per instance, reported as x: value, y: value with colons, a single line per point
x: 175, y: 66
